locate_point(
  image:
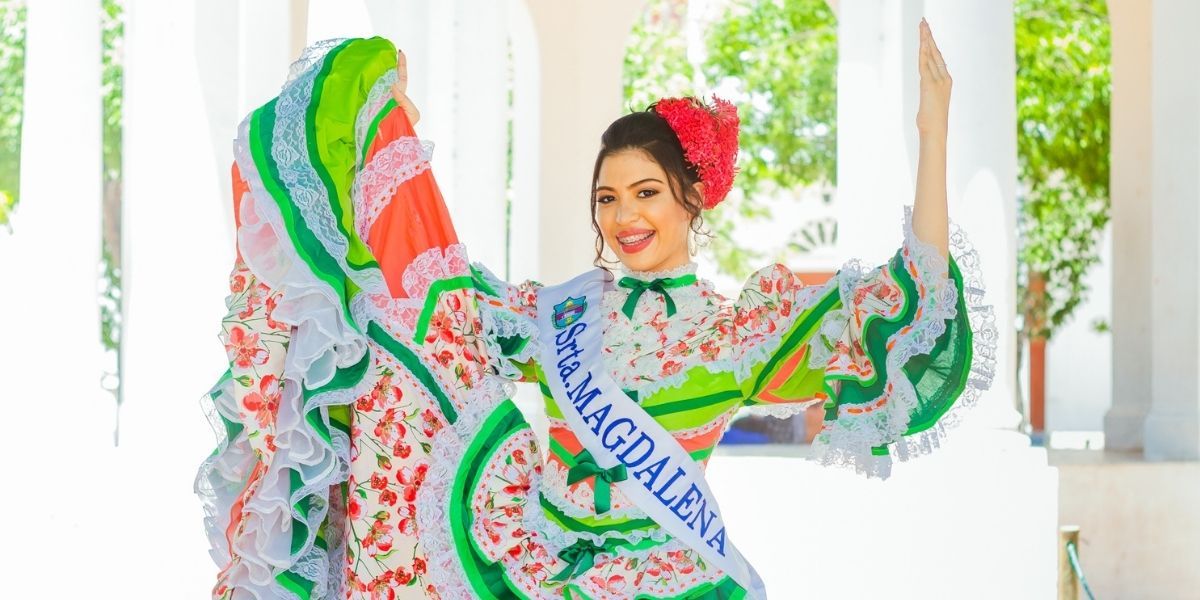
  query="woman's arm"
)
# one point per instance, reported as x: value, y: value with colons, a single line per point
x: 930, y: 219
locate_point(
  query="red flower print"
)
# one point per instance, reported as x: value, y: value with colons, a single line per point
x: 237, y: 283
x: 401, y: 449
x: 431, y: 593
x: 379, y: 538
x: 613, y: 584
x: 519, y: 484
x: 535, y: 570
x: 419, y: 567
x: 408, y: 519
x: 682, y: 561
x: 378, y: 482
x: 244, y: 349
x: 354, y: 507
x: 765, y: 285
x: 785, y: 308
x: 432, y: 422
x: 518, y: 456
x: 445, y: 357
x: 272, y: 302
x: 403, y: 576
x: 381, y: 590
x: 253, y: 299
x: 264, y: 403
x: 390, y: 427
x: 388, y: 497
x: 671, y: 367
x: 411, y: 480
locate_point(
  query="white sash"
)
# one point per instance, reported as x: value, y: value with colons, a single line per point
x: 663, y: 480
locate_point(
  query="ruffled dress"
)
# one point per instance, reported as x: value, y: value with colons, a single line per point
x: 368, y: 445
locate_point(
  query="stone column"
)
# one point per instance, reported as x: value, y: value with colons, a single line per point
x: 582, y: 49
x: 1132, y: 134
x: 527, y: 153
x: 481, y: 71
x: 62, y: 421
x: 1173, y: 424
x: 878, y: 85
x: 178, y: 253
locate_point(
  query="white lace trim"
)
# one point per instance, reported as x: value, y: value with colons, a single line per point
x: 289, y: 149
x: 688, y: 268
x: 321, y: 342
x: 848, y: 440
x: 446, y: 571
x: 380, y: 93
x: 376, y: 184
x: 311, y: 56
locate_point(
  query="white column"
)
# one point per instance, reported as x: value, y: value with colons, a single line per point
x: 266, y: 44
x: 878, y: 84
x: 481, y: 70
x: 179, y: 250
x: 1130, y: 178
x: 582, y: 48
x: 1173, y: 425
x: 59, y: 440
x: 527, y: 152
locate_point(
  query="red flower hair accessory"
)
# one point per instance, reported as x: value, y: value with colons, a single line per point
x: 709, y: 136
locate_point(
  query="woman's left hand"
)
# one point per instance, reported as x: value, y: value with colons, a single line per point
x: 400, y: 89
x: 933, y: 112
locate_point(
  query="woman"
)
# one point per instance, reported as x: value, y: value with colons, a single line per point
x: 369, y: 445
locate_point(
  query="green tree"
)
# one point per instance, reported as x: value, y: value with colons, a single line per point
x: 1063, y: 100
x: 777, y: 61
x: 12, y: 81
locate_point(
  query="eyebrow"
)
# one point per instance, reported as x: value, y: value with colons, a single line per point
x: 631, y: 186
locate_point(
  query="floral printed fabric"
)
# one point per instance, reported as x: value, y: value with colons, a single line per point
x: 368, y: 446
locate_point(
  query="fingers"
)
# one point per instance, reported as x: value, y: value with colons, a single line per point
x: 401, y: 72
x: 930, y: 55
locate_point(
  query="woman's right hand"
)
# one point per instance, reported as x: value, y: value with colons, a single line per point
x: 400, y: 89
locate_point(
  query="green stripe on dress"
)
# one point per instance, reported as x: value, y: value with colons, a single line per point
x: 373, y: 128
x: 413, y: 363
x: 486, y: 578
x: 304, y: 242
x: 339, y: 90
x: 436, y: 289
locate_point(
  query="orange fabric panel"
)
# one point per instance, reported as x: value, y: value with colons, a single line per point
x: 415, y: 220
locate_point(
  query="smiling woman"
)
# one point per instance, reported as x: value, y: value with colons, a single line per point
x: 370, y: 444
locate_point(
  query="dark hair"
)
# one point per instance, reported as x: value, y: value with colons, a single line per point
x: 650, y: 133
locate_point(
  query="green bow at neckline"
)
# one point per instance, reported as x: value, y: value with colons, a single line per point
x: 661, y: 285
x: 585, y: 466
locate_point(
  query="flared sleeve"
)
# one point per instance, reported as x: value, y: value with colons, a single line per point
x: 890, y: 353
x: 509, y: 313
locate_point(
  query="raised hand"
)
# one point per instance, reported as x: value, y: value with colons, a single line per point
x: 400, y: 89
x: 934, y: 110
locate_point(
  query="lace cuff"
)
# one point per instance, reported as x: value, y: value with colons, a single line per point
x: 510, y: 331
x: 912, y: 346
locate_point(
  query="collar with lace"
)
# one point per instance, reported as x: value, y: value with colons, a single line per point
x: 688, y: 268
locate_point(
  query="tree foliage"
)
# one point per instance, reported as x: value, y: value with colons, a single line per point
x: 12, y: 81
x: 777, y: 60
x: 1063, y: 97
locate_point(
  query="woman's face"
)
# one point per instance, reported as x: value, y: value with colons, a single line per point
x: 639, y: 216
